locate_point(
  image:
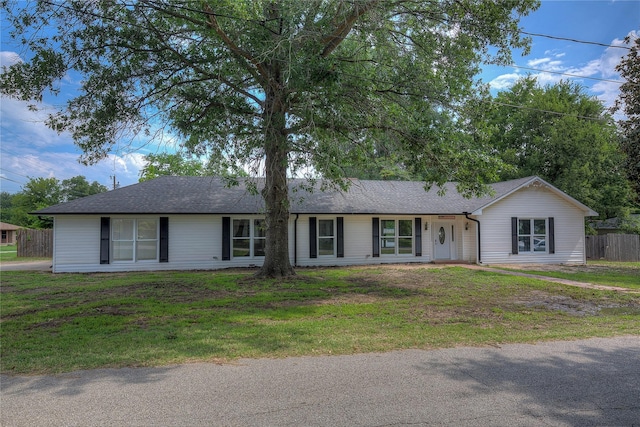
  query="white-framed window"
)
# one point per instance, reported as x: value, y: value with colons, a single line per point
x: 248, y: 237
x: 532, y: 235
x: 326, y: 237
x: 134, y: 239
x: 396, y: 237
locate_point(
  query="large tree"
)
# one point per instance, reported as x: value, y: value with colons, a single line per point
x: 300, y: 87
x: 563, y: 135
x: 629, y: 103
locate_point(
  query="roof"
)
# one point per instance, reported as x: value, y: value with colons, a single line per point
x: 8, y: 227
x: 211, y: 195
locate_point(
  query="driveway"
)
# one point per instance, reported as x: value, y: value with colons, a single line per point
x: 26, y: 265
x: 593, y: 382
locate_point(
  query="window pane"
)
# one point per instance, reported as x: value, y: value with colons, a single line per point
x: 122, y: 251
x: 539, y: 244
x: 325, y: 227
x: 405, y: 246
x: 147, y: 229
x: 325, y: 246
x: 524, y: 244
x: 146, y: 250
x: 241, y: 228
x: 241, y: 247
x: 405, y: 227
x: 524, y: 226
x: 122, y: 229
x: 259, y: 228
x: 388, y: 227
x: 539, y: 226
x: 388, y: 246
x: 259, y: 247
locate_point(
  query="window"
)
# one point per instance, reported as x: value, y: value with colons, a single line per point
x: 532, y: 235
x: 134, y: 239
x: 326, y: 237
x: 396, y: 237
x: 249, y: 237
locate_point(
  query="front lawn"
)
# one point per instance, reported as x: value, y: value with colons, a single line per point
x: 63, y: 322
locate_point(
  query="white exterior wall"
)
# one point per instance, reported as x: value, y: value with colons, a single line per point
x: 532, y: 202
x: 195, y: 243
x: 358, y: 242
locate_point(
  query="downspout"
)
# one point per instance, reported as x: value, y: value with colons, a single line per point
x: 466, y: 215
x: 295, y: 241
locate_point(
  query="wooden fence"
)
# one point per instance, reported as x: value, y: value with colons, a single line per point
x: 614, y: 247
x: 35, y: 243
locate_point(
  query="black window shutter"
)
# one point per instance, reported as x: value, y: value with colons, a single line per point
x: 376, y: 236
x: 418, y: 231
x: 340, y: 236
x: 313, y: 238
x: 514, y: 235
x: 104, y: 239
x: 226, y: 238
x: 164, y: 239
x: 552, y: 237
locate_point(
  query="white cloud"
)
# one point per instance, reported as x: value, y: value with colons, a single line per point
x: 7, y: 58
x: 602, y: 67
x: 505, y: 81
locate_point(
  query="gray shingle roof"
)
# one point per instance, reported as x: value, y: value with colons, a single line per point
x: 210, y: 195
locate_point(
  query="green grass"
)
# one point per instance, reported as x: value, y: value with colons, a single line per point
x: 8, y: 253
x: 607, y: 273
x: 62, y: 322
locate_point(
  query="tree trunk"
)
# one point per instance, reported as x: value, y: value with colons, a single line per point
x: 275, y: 192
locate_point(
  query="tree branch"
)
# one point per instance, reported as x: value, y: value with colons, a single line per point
x: 333, y: 40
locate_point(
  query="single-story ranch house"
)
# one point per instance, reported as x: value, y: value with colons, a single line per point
x: 181, y: 223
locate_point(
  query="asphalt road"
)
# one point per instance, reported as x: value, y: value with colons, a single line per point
x: 592, y: 382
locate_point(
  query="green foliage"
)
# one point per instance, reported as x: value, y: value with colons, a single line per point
x: 564, y: 136
x: 285, y: 87
x: 182, y: 164
x: 39, y: 193
x: 629, y: 103
x: 78, y: 186
x: 170, y: 164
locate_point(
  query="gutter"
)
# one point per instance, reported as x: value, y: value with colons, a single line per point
x: 466, y: 215
x: 295, y: 241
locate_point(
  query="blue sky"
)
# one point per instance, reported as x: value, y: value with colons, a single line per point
x: 28, y: 149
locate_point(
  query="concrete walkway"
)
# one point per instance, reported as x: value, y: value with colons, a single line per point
x: 551, y: 279
x: 26, y: 265
x: 593, y: 382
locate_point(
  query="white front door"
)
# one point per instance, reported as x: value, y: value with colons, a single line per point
x: 442, y: 239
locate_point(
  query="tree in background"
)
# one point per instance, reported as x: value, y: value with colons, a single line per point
x: 39, y: 193
x: 165, y: 164
x: 291, y: 87
x: 564, y: 136
x: 77, y: 187
x: 629, y: 103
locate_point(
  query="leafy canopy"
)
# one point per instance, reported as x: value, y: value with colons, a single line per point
x: 629, y: 103
x: 290, y: 87
x: 563, y: 135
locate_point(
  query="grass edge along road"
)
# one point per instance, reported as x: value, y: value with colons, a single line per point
x: 63, y: 322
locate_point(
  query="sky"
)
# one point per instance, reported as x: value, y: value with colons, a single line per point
x: 583, y: 49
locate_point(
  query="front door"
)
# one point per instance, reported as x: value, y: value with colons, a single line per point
x: 442, y: 240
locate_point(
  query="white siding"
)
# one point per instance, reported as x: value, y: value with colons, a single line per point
x: 358, y: 243
x: 76, y: 243
x: 532, y: 202
x: 195, y: 242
